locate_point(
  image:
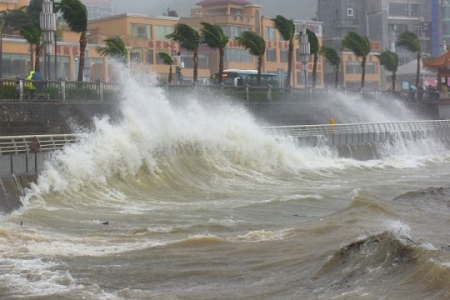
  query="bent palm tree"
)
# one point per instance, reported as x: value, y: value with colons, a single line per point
x: 389, y: 60
x: 333, y: 58
x: 215, y: 38
x: 32, y: 34
x: 189, y: 39
x: 286, y: 28
x: 75, y: 14
x: 314, y: 50
x: 411, y: 42
x: 114, y: 48
x: 256, y: 45
x: 360, y: 46
x: 167, y: 60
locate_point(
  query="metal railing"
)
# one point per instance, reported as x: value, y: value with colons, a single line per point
x: 21, y: 144
x: 56, y: 90
x: 335, y: 129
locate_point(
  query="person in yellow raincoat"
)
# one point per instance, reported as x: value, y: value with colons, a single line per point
x: 30, y: 85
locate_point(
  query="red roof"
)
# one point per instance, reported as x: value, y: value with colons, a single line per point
x: 215, y: 2
x: 442, y: 61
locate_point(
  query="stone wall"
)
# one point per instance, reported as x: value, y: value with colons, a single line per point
x: 29, y: 118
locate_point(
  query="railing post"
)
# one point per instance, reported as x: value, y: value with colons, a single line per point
x: 246, y: 94
x: 269, y: 93
x: 20, y: 90
x: 62, y: 91
x: 100, y: 89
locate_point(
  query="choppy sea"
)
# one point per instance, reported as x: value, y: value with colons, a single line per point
x: 196, y: 201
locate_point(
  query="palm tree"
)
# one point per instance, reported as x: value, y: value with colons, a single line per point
x: 189, y: 39
x: 215, y: 38
x: 256, y: 45
x: 333, y: 58
x: 360, y: 46
x: 286, y: 28
x: 26, y: 20
x: 411, y: 42
x: 167, y: 60
x: 32, y: 34
x: 389, y: 60
x: 314, y: 50
x: 114, y: 48
x: 75, y: 14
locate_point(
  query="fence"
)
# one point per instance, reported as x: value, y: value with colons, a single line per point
x: 48, y: 90
x: 52, y: 90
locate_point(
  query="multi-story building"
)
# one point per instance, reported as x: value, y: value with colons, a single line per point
x: 99, y: 8
x: 237, y: 16
x: 146, y: 36
x: 380, y: 20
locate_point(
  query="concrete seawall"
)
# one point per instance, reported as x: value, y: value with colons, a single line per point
x: 11, y: 189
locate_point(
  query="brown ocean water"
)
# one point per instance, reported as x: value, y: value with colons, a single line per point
x: 197, y: 202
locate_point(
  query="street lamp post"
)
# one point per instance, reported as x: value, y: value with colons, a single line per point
x: 48, y: 27
x: 87, y: 65
x: 304, y: 51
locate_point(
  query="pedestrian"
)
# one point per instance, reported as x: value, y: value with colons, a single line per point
x: 30, y: 85
x: 420, y: 92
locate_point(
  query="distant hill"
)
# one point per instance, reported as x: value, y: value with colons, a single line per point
x: 295, y: 9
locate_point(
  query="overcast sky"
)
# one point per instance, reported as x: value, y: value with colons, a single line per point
x: 295, y: 9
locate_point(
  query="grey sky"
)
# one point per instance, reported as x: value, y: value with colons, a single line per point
x: 295, y: 9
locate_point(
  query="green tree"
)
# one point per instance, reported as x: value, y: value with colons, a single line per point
x: 32, y: 34
x: 360, y: 46
x: 215, y: 38
x: 75, y: 14
x: 389, y: 60
x: 286, y: 28
x: 333, y: 58
x: 411, y: 42
x: 314, y: 50
x: 167, y: 60
x: 114, y: 48
x: 189, y: 39
x: 256, y: 45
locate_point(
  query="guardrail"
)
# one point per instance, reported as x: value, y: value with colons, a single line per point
x: 21, y: 144
x: 360, y: 133
x: 354, y: 133
x: 56, y: 90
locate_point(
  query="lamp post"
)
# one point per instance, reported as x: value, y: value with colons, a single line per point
x: 304, y: 51
x: 48, y: 27
x: 87, y: 65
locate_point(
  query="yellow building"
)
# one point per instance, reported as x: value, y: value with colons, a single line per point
x: 145, y: 37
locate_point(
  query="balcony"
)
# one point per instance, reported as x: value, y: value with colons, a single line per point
x: 346, y: 24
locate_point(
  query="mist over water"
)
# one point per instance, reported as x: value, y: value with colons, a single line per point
x: 187, y: 199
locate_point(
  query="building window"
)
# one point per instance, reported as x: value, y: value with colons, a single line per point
x: 150, y: 58
x: 234, y: 31
x: 371, y: 68
x: 416, y: 10
x: 284, y: 55
x: 396, y: 29
x: 162, y: 31
x: 188, y: 60
x: 418, y: 30
x: 143, y: 31
x: 237, y: 55
x: 399, y: 9
x: 271, y: 54
x: 270, y: 33
x: 353, y: 67
x: 349, y: 12
x: 135, y: 55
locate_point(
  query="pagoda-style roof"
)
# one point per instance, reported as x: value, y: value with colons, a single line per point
x: 441, y: 64
x: 442, y: 61
x: 216, y: 2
